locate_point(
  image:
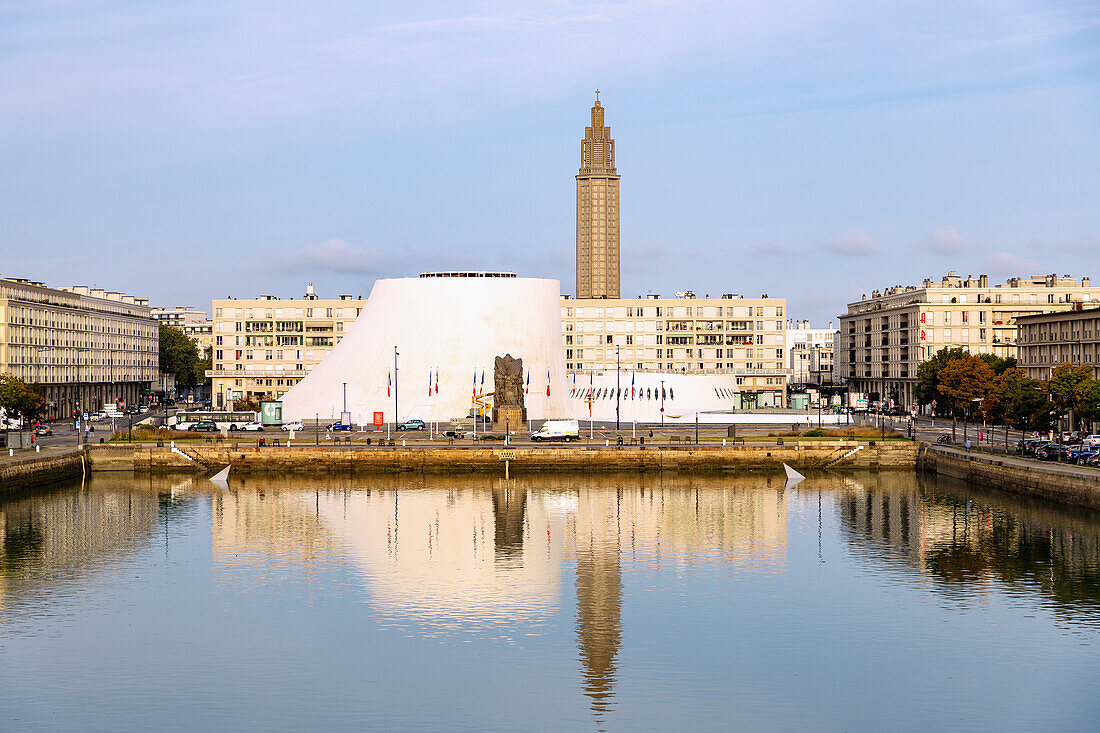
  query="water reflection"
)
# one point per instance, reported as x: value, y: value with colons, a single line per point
x: 962, y: 538
x: 489, y: 558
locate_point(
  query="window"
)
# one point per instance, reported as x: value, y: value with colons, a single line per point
x: 629, y: 340
x: 609, y: 338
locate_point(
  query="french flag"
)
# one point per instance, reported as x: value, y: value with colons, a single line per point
x: 527, y: 390
x: 632, y: 385
x: 482, y: 382
x: 547, y: 382
x: 437, y: 381
x: 389, y: 383
x: 429, y: 382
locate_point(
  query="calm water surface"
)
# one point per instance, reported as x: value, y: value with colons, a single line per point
x: 871, y: 602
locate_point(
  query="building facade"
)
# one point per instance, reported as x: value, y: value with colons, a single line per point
x: 1068, y: 337
x: 597, y: 212
x: 810, y: 353
x: 884, y: 338
x: 265, y: 346
x: 743, y: 337
x: 195, y: 324
x: 81, y: 347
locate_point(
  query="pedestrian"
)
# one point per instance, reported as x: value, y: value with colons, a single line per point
x: 968, y: 444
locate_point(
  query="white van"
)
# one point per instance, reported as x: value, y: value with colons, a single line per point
x: 558, y: 430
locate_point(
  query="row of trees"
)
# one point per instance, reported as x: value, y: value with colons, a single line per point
x: 964, y: 385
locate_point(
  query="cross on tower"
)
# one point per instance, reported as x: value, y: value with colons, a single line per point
x: 597, y: 95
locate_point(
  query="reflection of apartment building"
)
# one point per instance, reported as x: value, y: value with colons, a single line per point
x: 810, y: 353
x: 81, y: 346
x: 265, y: 346
x: 885, y: 337
x: 1049, y: 339
x: 731, y: 334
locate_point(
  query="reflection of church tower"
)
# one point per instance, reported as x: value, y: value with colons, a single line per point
x: 599, y: 595
x: 508, y: 507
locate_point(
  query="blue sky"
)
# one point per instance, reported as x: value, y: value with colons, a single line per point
x: 812, y: 150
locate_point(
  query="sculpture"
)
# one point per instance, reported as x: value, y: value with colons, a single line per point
x: 508, y: 387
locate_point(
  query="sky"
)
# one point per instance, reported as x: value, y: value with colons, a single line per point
x: 804, y: 149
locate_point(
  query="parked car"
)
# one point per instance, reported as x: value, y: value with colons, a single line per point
x: 296, y: 425
x: 1083, y: 455
x: 563, y: 430
x: 204, y: 427
x: 133, y: 410
x: 1093, y: 460
x: 1091, y: 440
x: 334, y: 426
x: 43, y: 430
x: 254, y: 426
x: 1071, y: 436
x: 411, y: 425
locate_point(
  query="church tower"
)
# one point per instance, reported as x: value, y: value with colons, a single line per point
x: 597, y: 212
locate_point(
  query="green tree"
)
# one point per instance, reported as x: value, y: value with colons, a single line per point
x: 1019, y: 401
x: 927, y: 388
x: 1068, y: 386
x: 997, y: 364
x: 179, y: 356
x: 961, y: 381
x: 19, y: 400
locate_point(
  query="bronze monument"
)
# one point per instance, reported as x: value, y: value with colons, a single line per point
x: 509, y: 411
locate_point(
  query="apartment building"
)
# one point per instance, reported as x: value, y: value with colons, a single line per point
x: 1068, y: 337
x: 80, y: 346
x: 195, y: 324
x: 732, y: 334
x: 884, y: 337
x: 263, y: 347
x: 809, y: 353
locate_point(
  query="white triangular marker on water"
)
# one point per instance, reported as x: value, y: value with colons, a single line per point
x: 793, y: 476
x: 221, y: 478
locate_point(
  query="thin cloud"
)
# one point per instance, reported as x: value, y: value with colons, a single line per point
x: 855, y: 243
x: 1006, y: 263
x: 946, y: 240
x: 773, y: 249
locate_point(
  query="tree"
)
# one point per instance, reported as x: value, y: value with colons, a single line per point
x: 179, y: 356
x: 1068, y: 386
x: 18, y: 399
x: 997, y: 364
x: 1019, y: 401
x: 961, y: 381
x: 927, y: 389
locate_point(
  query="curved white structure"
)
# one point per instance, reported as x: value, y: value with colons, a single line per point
x: 448, y: 324
x: 710, y: 398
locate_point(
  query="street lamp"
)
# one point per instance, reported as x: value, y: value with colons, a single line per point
x: 662, y: 403
x: 617, y: 390
x: 395, y: 355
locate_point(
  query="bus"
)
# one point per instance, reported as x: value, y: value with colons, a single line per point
x: 224, y: 420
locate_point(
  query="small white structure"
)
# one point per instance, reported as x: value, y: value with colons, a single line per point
x: 448, y: 328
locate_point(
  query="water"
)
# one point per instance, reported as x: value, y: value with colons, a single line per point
x: 871, y: 602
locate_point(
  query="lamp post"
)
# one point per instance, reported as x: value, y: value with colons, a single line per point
x: 395, y: 387
x: 345, y: 397
x: 618, y: 391
x: 662, y: 403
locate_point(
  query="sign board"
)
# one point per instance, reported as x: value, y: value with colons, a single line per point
x: 345, y: 418
x: 271, y: 412
x: 378, y: 419
x: 858, y: 400
x: 507, y: 455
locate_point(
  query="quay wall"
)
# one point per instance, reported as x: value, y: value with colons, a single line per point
x: 40, y: 470
x: 1067, y: 484
x: 307, y: 459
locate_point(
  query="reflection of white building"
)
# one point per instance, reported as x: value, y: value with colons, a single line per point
x: 448, y: 328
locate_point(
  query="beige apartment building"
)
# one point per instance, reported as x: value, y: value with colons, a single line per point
x: 1068, y: 337
x: 81, y: 347
x: 884, y: 337
x: 597, y: 212
x: 195, y: 324
x: 730, y: 334
x: 263, y: 347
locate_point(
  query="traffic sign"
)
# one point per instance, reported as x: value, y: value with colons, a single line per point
x: 378, y: 419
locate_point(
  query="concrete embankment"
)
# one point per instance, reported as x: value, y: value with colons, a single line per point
x: 1069, y: 484
x: 39, y: 469
x: 307, y: 459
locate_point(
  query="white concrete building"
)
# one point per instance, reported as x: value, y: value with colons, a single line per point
x: 447, y: 329
x: 809, y: 352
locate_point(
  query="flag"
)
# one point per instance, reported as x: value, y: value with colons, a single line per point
x: 528, y: 388
x: 547, y: 382
x: 590, y: 391
x: 437, y: 381
x: 482, y: 382
x: 429, y: 382
x: 632, y: 385
x: 389, y: 382
x: 573, y: 392
x: 474, y: 393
